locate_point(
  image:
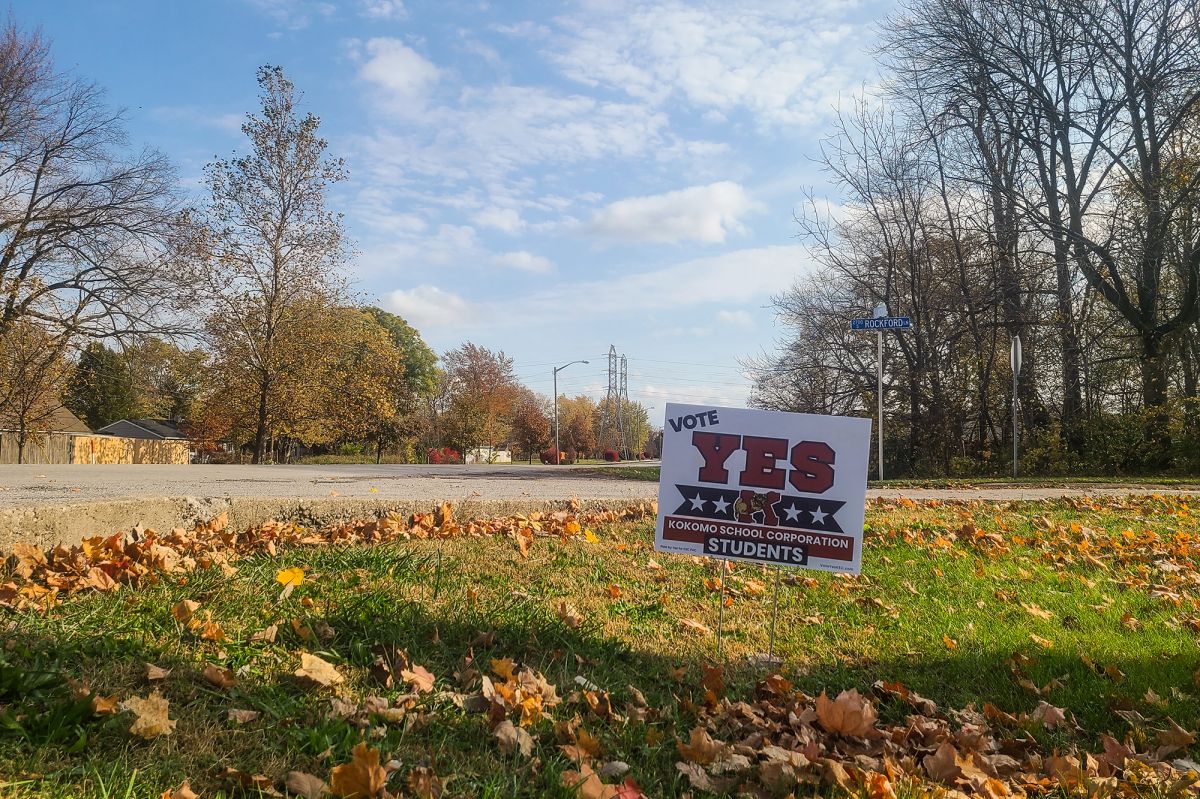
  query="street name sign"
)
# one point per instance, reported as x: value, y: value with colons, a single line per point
x: 882, y: 323
x: 763, y: 486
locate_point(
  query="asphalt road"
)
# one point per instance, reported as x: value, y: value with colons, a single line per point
x: 61, y: 485
x: 67, y: 485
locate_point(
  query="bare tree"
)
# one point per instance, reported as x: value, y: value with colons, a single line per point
x: 273, y: 253
x: 84, y: 228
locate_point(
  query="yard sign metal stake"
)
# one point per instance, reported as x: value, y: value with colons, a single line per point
x: 721, y: 607
x: 774, y: 617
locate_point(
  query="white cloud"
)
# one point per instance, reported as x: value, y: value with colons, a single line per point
x: 698, y: 213
x: 427, y: 306
x: 731, y: 278
x: 785, y: 61
x: 742, y: 319
x: 193, y: 115
x: 401, y: 72
x: 384, y: 9
x: 293, y: 14
x: 507, y: 220
x: 525, y: 261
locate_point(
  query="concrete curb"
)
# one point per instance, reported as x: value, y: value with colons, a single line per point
x: 47, y: 526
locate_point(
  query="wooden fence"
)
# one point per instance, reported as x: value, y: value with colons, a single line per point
x: 66, y: 448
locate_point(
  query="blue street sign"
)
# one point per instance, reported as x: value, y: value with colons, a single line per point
x: 883, y: 323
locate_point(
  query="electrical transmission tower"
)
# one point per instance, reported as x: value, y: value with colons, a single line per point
x: 612, y: 420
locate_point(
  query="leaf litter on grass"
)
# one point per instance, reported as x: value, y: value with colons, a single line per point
x: 768, y: 740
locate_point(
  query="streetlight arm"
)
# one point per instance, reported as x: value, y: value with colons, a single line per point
x: 557, y: 451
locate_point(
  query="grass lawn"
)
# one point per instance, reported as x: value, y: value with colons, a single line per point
x: 1016, y: 609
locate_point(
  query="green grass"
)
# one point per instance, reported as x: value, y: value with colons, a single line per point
x: 927, y: 580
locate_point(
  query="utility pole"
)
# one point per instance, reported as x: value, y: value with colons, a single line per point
x: 557, y: 451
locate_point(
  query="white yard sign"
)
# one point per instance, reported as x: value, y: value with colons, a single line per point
x: 764, y: 486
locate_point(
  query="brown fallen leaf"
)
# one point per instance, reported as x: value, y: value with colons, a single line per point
x: 568, y: 614
x: 150, y: 716
x: 1044, y: 643
x: 305, y: 785
x: 695, y: 626
x: 219, y: 677
x: 266, y: 636
x: 184, y: 791
x: 850, y: 715
x: 156, y: 673
x: 243, y: 716
x: 701, y: 748
x: 587, y: 784
x: 184, y: 610
x: 512, y: 739
x: 419, y: 678
x: 1038, y: 612
x: 105, y: 705
x: 317, y: 672
x: 425, y: 784
x: 361, y: 778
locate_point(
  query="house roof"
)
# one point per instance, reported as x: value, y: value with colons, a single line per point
x: 144, y: 428
x: 63, y: 421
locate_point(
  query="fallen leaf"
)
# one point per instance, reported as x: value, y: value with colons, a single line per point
x: 1044, y: 643
x: 569, y: 615
x: 850, y: 715
x: 512, y: 739
x: 184, y: 610
x: 105, y: 705
x: 243, y: 716
x: 317, y: 672
x: 949, y: 642
x: 150, y: 716
x: 361, y: 778
x: 184, y: 791
x: 1034, y: 610
x: 424, y: 783
x: 695, y: 626
x: 587, y: 784
x: 305, y: 785
x: 221, y: 678
x: 156, y: 673
x: 290, y: 577
x: 419, y: 678
x: 700, y: 748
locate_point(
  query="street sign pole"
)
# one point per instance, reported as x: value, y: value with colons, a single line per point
x: 880, y: 322
x: 879, y: 396
x: 1014, y: 361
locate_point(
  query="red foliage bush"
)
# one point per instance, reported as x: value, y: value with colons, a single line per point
x: 444, y: 455
x: 549, y: 456
x: 611, y: 455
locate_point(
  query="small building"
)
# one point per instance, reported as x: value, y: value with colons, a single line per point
x: 144, y: 429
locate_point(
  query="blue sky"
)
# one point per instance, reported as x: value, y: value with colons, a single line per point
x: 542, y: 178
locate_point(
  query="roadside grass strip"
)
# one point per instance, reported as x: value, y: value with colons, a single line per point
x: 989, y: 649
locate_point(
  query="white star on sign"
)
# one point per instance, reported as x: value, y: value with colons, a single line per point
x: 817, y: 516
x: 793, y: 513
x: 720, y: 505
x: 697, y: 502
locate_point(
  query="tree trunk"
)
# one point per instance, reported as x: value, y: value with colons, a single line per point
x: 1154, y: 398
x: 1072, y: 399
x: 260, y: 432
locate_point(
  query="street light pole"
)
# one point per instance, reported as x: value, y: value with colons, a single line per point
x: 557, y: 451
